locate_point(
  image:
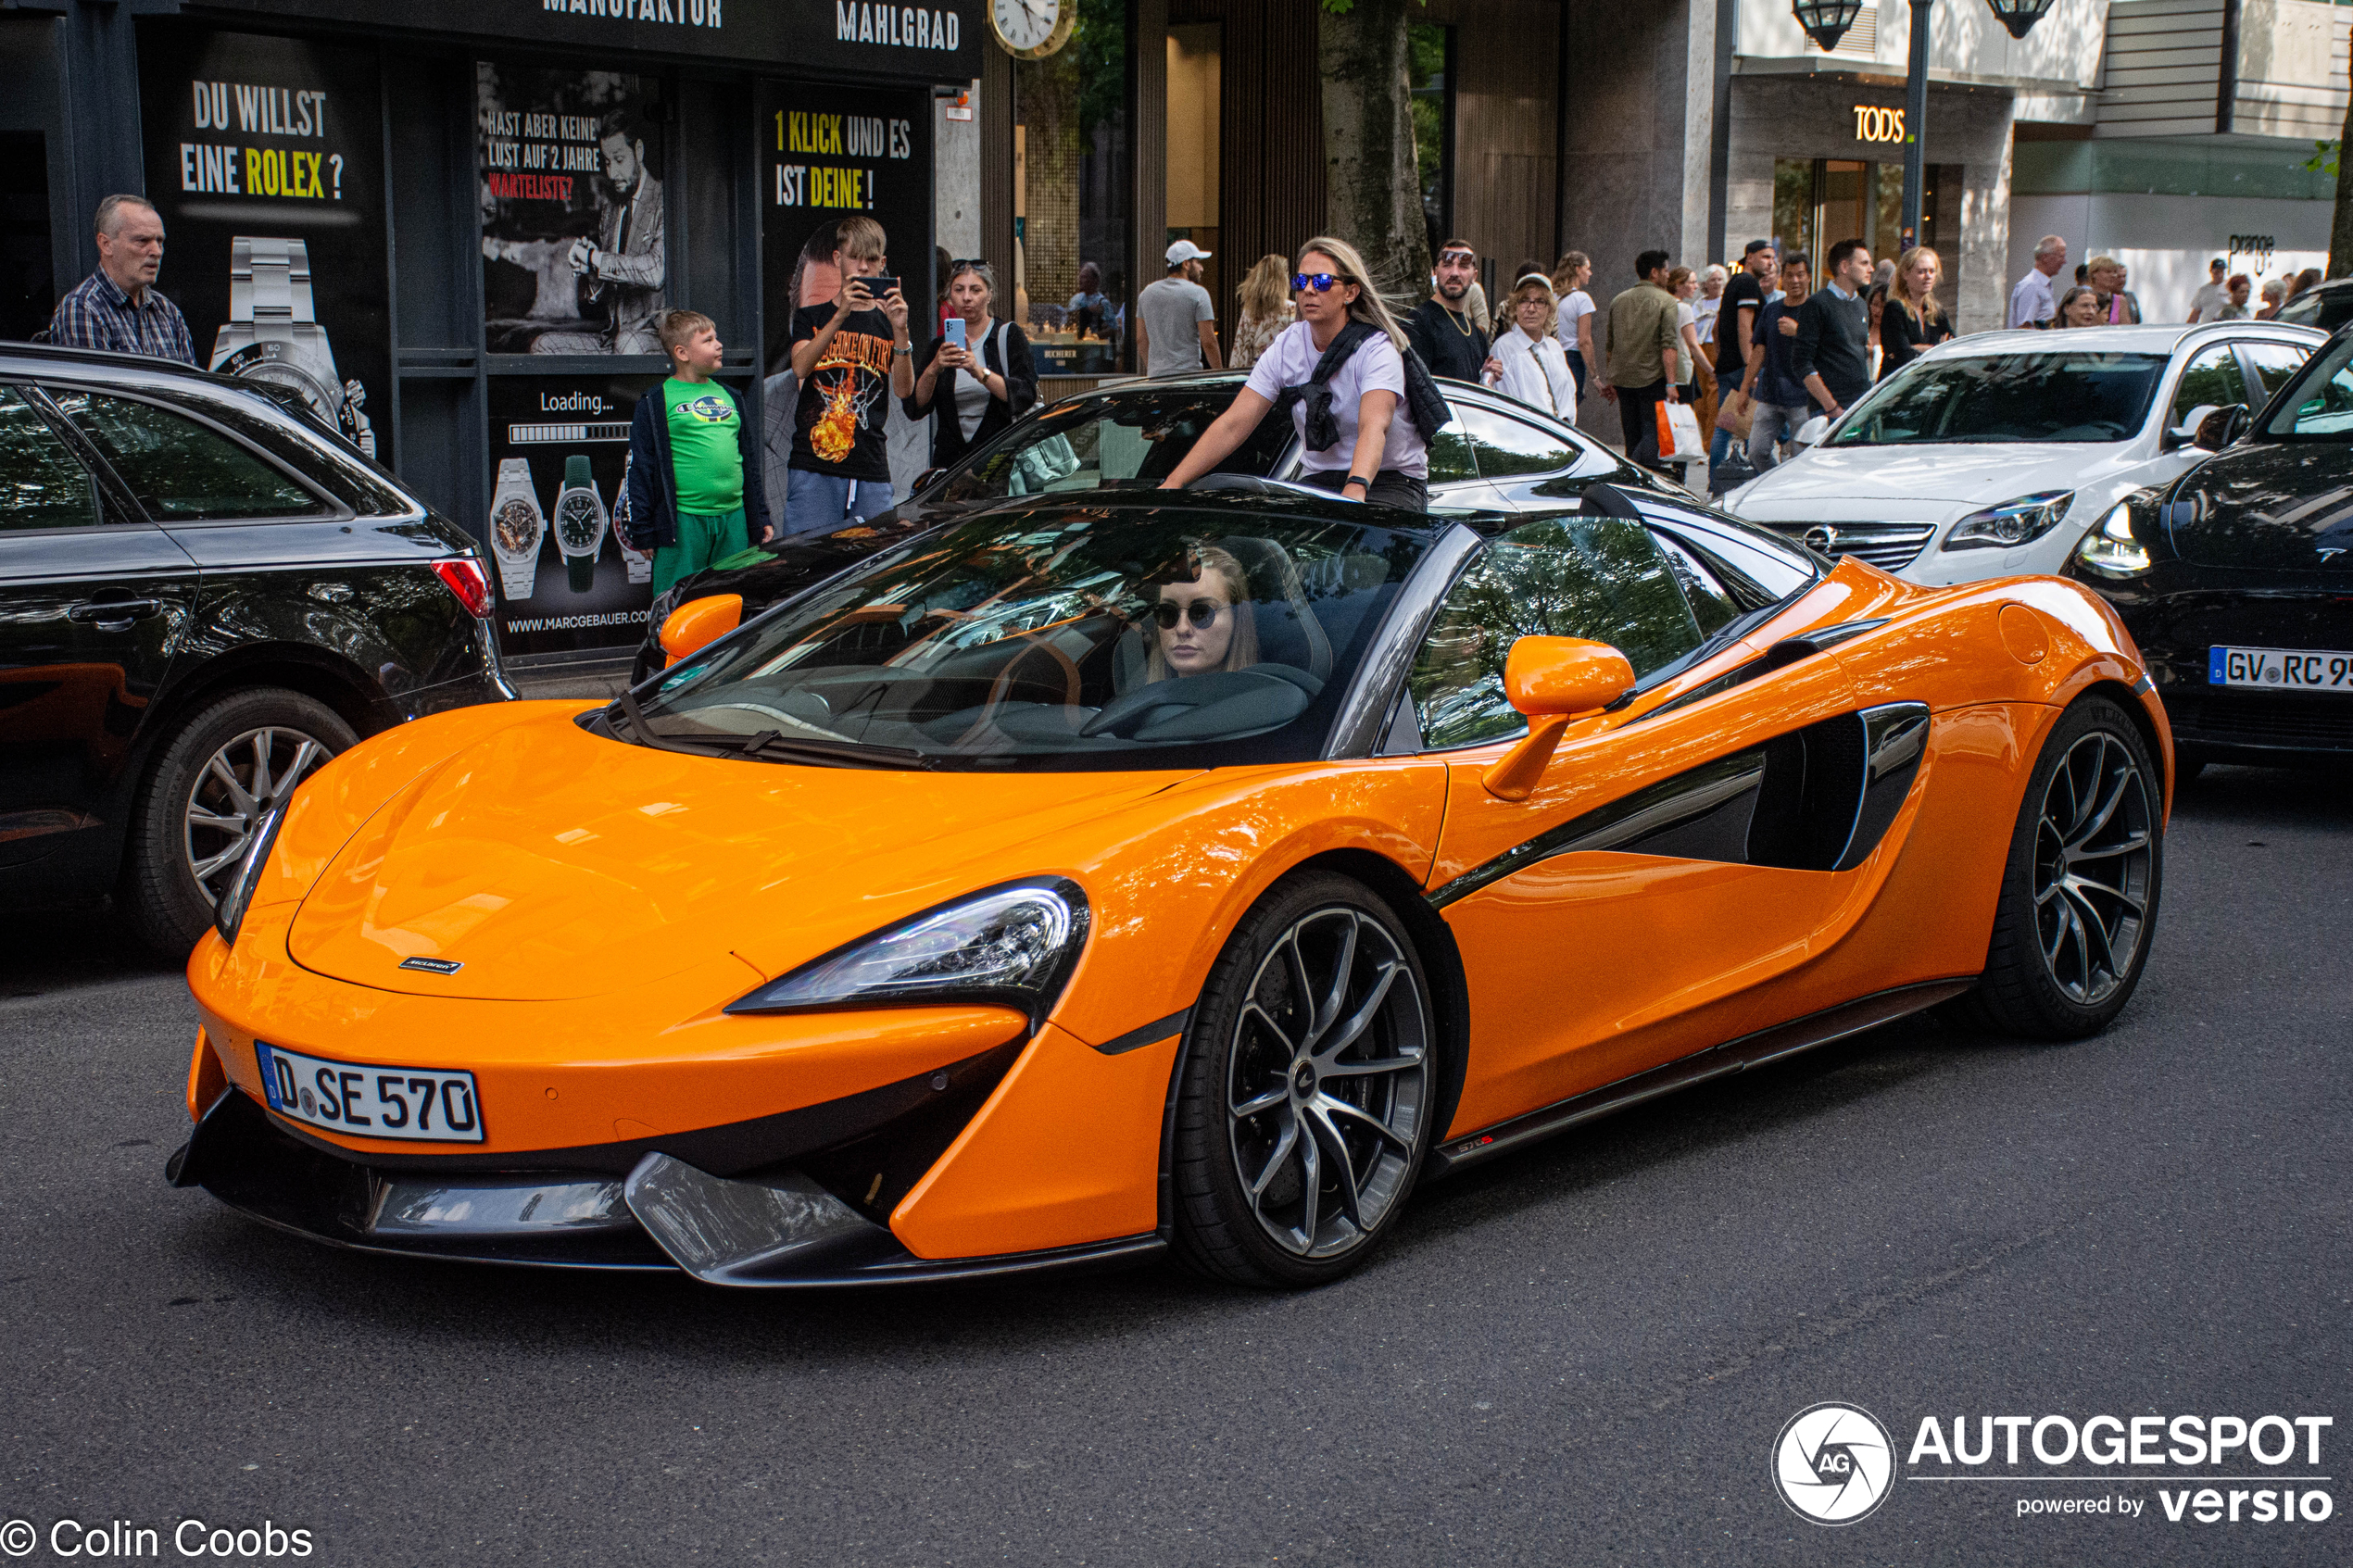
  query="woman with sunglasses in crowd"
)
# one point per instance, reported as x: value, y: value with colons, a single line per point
x: 1205, y: 625
x: 1359, y: 398
x: 1530, y: 362
x: 980, y: 386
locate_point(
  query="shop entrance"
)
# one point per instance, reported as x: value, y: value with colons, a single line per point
x: 1817, y: 202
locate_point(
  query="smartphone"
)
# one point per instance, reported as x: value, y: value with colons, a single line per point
x: 956, y: 332
x: 879, y: 284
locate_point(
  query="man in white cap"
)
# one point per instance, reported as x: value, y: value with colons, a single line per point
x: 1175, y: 320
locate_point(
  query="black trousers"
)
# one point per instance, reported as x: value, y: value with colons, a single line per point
x: 1391, y: 487
x: 1638, y: 415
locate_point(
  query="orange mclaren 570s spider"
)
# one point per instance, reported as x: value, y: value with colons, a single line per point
x: 1094, y: 876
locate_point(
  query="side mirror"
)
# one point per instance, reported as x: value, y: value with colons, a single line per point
x: 2186, y: 433
x: 923, y: 479
x: 698, y: 622
x: 1553, y: 680
x: 1810, y: 433
x: 2221, y: 427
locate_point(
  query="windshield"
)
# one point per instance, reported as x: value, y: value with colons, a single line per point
x: 1079, y: 637
x: 2073, y: 396
x: 2318, y: 405
x: 1130, y: 440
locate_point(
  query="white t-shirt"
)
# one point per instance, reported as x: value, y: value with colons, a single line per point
x: 1173, y: 309
x: 1577, y: 305
x: 1704, y: 310
x: 1536, y: 372
x: 1684, y: 317
x: 1375, y: 366
x: 2209, y: 301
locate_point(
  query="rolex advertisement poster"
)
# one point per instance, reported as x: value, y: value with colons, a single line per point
x: 558, y: 450
x: 574, y: 256
x: 265, y: 156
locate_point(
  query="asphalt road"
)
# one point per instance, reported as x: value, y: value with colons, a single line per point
x: 1581, y: 1354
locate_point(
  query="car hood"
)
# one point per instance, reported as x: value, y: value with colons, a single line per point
x: 550, y: 862
x: 1926, y: 484
x: 2274, y: 506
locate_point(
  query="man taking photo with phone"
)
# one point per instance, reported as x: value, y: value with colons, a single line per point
x: 851, y: 359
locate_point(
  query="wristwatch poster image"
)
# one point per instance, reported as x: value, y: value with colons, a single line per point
x: 273, y: 335
x: 559, y: 455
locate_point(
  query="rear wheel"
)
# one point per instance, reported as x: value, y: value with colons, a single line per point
x: 228, y: 764
x: 1303, y: 1111
x: 2079, y: 891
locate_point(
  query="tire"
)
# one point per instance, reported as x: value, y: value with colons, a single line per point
x: 190, y: 820
x: 1298, y: 1191
x: 2069, y: 944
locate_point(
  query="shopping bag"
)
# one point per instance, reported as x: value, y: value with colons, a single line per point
x: 1678, y: 436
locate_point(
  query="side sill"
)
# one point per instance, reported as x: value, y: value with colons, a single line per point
x: 1733, y: 1055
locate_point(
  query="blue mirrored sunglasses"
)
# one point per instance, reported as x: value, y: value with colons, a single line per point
x: 1322, y: 283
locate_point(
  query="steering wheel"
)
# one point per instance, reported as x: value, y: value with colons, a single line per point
x: 999, y: 688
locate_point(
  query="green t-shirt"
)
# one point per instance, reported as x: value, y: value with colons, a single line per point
x: 703, y: 454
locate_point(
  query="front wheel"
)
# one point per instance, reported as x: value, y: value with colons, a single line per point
x: 1304, y: 1109
x: 2080, y: 890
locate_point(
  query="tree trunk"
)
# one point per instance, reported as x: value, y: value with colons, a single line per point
x: 1372, y: 180
x: 2341, y: 224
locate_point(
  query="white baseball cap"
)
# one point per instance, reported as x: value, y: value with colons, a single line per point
x: 1184, y: 251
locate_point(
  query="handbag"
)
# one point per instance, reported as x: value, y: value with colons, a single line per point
x: 1678, y: 435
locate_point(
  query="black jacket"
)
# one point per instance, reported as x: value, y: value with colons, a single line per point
x: 1834, y: 341
x: 947, y: 442
x: 653, y: 483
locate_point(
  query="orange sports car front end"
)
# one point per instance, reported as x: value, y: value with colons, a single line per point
x: 1068, y: 884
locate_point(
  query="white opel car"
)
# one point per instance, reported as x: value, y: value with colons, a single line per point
x: 1995, y: 453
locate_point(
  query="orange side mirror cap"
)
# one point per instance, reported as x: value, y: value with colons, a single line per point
x: 1553, y: 680
x: 697, y: 623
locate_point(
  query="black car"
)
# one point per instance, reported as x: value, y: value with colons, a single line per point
x: 2236, y: 579
x: 203, y: 596
x: 1496, y: 455
x: 2326, y: 305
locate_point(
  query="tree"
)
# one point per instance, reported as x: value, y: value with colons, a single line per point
x: 1372, y: 178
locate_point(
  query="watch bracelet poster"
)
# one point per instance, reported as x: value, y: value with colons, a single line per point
x: 559, y: 460
x: 273, y: 334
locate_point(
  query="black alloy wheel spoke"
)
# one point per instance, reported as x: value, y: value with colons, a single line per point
x: 2095, y: 819
x: 1322, y: 1144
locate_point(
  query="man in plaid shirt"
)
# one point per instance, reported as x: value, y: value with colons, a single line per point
x: 117, y: 306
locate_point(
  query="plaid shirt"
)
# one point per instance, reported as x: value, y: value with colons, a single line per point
x: 98, y: 315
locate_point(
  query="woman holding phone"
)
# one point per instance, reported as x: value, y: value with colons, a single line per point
x: 978, y: 373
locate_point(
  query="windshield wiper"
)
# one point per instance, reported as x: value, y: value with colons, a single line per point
x: 645, y: 731
x: 834, y: 753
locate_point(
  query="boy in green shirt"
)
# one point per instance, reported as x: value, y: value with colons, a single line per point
x: 696, y: 494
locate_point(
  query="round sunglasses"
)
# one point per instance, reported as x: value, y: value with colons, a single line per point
x: 1200, y: 612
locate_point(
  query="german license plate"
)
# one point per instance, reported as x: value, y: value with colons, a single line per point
x: 2281, y: 670
x: 418, y: 1104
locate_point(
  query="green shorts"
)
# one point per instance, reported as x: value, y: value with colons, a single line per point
x: 702, y: 539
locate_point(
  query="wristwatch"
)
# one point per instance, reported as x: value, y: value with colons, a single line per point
x: 640, y: 565
x: 272, y: 334
x: 516, y: 528
x: 581, y: 522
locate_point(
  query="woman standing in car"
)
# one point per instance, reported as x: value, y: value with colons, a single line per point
x: 979, y: 386
x: 1361, y: 399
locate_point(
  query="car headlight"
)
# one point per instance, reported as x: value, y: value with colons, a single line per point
x: 230, y: 912
x: 2012, y: 522
x: 2113, y: 549
x: 1014, y: 944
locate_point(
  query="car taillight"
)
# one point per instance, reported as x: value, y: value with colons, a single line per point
x: 466, y: 579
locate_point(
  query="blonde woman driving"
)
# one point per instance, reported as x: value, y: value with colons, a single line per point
x: 1206, y: 625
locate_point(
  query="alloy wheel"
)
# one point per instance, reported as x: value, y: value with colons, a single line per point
x: 1327, y: 1082
x: 242, y: 781
x: 2094, y: 855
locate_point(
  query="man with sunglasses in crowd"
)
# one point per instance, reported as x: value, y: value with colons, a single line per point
x: 1441, y: 331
